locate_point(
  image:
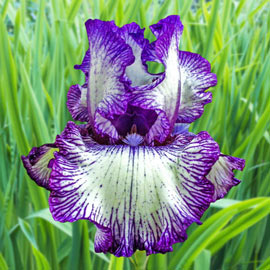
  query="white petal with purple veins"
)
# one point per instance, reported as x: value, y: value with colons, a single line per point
x: 139, y: 197
x: 106, y: 60
x: 77, y: 103
x: 222, y: 176
x: 163, y: 95
x: 196, y: 77
x: 133, y: 36
x: 38, y: 163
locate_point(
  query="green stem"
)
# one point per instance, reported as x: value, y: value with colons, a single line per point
x: 139, y: 260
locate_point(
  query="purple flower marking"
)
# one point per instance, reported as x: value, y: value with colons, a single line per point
x: 134, y: 169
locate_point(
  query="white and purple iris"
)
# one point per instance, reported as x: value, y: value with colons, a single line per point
x: 134, y: 170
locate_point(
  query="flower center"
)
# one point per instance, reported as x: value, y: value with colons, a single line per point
x: 133, y: 138
x: 134, y: 117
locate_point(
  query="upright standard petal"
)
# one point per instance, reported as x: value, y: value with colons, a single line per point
x: 38, y: 163
x: 138, y: 197
x: 134, y: 37
x: 163, y: 95
x: 104, y: 65
x: 196, y: 77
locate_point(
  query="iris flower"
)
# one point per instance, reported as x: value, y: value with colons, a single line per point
x: 133, y: 168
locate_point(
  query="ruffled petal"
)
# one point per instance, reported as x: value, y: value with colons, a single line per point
x: 85, y: 65
x: 138, y: 197
x: 196, y: 77
x: 38, y: 163
x: 77, y: 103
x: 163, y: 95
x: 222, y: 176
x: 104, y: 65
x: 134, y: 37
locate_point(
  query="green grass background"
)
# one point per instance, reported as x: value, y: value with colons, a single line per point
x: 40, y: 41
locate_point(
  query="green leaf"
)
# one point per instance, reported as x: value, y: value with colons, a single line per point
x: 64, y: 227
x: 224, y: 203
x: 211, y: 28
x: 203, y: 261
x: 73, y: 9
x: 211, y: 230
x: 3, y: 263
x: 80, y: 257
x: 41, y: 261
x: 198, y: 241
x: 116, y: 263
x: 265, y: 265
x: 28, y: 232
x: 241, y: 223
x: 9, y: 83
x: 46, y: 215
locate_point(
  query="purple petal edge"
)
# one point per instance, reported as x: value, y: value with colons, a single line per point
x: 163, y: 94
x: 196, y: 78
x: 222, y: 175
x: 38, y: 164
x: 106, y: 62
x: 77, y: 103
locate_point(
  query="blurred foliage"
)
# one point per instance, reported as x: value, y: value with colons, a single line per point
x: 40, y: 43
